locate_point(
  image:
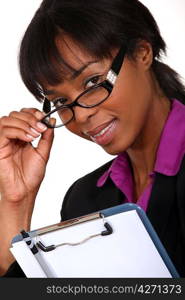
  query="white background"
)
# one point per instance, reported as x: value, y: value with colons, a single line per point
x: 71, y: 156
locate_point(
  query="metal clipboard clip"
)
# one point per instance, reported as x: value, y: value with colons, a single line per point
x: 108, y: 230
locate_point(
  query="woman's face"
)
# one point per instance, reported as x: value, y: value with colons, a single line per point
x: 116, y: 123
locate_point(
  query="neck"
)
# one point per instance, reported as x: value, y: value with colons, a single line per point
x: 142, y: 153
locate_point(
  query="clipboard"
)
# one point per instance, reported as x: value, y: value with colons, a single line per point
x: 115, y: 242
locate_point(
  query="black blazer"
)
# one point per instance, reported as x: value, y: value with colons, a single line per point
x: 166, y: 209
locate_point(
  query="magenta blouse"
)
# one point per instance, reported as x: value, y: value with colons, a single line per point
x: 169, y: 156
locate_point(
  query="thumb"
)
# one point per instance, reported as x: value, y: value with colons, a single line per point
x: 46, y: 141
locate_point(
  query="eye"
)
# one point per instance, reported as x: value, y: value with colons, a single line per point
x: 59, y: 101
x: 93, y: 81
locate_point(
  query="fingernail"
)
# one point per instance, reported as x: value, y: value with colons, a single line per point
x: 52, y: 121
x: 41, y: 126
x: 30, y: 137
x: 39, y: 114
x: 34, y: 131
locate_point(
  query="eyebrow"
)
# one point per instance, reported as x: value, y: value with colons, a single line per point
x: 78, y: 72
x: 74, y: 75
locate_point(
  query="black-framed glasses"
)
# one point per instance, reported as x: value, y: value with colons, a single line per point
x: 93, y: 96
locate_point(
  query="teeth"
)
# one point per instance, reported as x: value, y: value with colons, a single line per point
x: 102, y: 131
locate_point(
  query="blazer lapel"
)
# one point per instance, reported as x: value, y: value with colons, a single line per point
x: 109, y: 195
x: 161, y: 203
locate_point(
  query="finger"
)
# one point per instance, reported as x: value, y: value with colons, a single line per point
x: 14, y: 133
x: 37, y: 113
x: 11, y: 122
x: 30, y: 109
x: 31, y: 118
x: 27, y: 114
x: 46, y: 142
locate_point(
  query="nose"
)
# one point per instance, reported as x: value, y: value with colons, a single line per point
x: 82, y: 114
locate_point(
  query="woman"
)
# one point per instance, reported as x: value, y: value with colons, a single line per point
x: 98, y: 67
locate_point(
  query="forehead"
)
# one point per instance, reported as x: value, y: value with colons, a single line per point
x: 74, y: 59
x: 73, y: 54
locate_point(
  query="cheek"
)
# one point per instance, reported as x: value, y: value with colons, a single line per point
x: 131, y: 107
x: 75, y: 129
x: 133, y: 97
x: 134, y: 85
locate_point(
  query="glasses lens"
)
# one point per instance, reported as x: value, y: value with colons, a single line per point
x: 93, y: 96
x: 62, y: 116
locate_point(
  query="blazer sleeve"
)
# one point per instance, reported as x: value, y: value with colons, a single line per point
x: 14, y: 271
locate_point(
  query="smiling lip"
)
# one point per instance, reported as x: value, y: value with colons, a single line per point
x: 97, y: 129
x: 105, y: 135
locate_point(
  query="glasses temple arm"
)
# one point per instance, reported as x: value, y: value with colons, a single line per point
x: 46, y: 106
x: 117, y: 63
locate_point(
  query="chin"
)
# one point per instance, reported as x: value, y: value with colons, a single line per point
x: 117, y: 148
x: 113, y: 150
